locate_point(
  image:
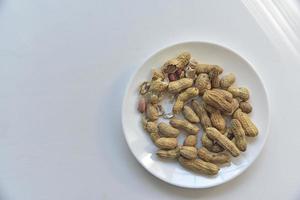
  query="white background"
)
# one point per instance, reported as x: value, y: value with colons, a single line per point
x: 64, y: 65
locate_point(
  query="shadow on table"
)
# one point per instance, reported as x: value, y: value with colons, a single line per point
x: 125, y: 167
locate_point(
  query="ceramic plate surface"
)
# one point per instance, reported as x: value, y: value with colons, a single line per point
x: 171, y: 171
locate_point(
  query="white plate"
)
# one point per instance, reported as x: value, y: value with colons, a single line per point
x: 170, y: 171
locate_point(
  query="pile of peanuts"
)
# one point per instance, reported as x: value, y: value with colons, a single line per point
x: 201, y: 97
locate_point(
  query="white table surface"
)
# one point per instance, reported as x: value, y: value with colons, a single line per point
x: 64, y: 65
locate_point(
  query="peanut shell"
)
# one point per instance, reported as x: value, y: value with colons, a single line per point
x: 166, y: 143
x: 184, y: 125
x: 247, y: 124
x: 190, y: 115
x: 190, y: 140
x: 218, y: 158
x: 214, y: 134
x: 168, y: 154
x: 245, y: 107
x: 240, y: 92
x: 183, y: 97
x: 167, y: 130
x: 199, y: 166
x: 227, y: 81
x: 202, y: 83
x: 218, y: 100
x: 239, y: 135
x: 188, y: 152
x: 202, y: 114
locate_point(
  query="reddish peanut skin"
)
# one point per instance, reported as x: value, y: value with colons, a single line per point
x: 142, y: 105
x: 174, y: 64
x: 172, y: 77
x: 178, y: 72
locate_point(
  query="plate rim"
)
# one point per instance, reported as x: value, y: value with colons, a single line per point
x: 132, y: 76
